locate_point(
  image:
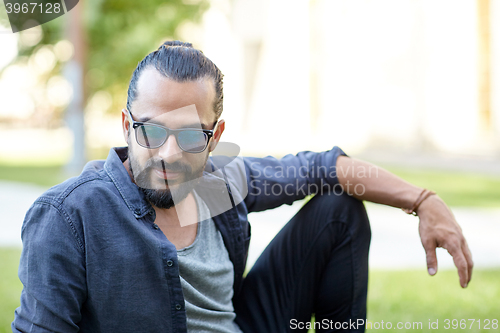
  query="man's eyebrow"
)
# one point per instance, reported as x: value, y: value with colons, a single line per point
x: 196, y: 125
x: 152, y: 121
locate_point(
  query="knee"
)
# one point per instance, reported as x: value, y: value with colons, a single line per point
x: 340, y: 207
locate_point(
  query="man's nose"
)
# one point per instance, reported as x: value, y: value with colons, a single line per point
x: 170, y: 151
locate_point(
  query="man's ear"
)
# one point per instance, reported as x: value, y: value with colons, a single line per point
x: 221, y: 125
x: 125, y: 124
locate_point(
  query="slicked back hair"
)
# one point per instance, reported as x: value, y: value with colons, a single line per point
x: 179, y: 62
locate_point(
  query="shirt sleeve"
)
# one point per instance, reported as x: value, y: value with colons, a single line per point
x: 52, y: 270
x: 273, y: 182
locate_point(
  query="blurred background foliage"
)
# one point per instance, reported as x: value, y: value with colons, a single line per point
x: 121, y: 32
x: 118, y: 33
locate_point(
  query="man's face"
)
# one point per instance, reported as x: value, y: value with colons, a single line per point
x: 167, y: 174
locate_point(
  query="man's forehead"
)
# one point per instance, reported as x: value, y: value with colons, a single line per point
x: 160, y: 98
x: 150, y: 76
x: 152, y: 84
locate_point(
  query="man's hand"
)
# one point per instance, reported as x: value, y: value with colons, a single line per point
x: 438, y: 228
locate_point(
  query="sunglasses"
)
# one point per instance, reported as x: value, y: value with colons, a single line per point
x: 152, y: 136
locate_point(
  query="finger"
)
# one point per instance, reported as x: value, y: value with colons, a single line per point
x: 431, y: 260
x: 468, y: 257
x: 460, y: 262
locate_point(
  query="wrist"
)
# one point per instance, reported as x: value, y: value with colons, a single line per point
x: 429, y: 204
x: 410, y: 196
x: 423, y: 196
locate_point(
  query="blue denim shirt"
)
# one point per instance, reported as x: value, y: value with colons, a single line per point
x: 93, y: 259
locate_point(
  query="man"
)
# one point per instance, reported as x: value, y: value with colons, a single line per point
x: 155, y: 238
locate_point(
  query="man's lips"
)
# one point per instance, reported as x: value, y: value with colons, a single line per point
x: 167, y: 174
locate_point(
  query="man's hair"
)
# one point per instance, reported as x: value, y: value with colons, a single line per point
x: 180, y: 62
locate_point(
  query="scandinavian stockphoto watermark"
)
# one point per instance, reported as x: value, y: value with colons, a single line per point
x: 306, y: 179
x: 357, y: 324
x: 447, y: 324
x: 327, y: 324
x: 26, y: 14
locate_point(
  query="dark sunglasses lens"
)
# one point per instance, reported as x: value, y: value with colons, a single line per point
x: 150, y: 136
x: 192, y: 141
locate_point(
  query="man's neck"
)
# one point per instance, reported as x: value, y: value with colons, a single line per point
x: 126, y: 164
x: 179, y: 223
x: 184, y: 213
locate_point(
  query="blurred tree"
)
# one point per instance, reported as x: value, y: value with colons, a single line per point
x: 119, y: 33
x: 4, y: 20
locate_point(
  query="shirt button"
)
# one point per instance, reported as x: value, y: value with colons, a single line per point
x: 155, y: 226
x: 170, y: 263
x: 178, y: 307
x: 151, y: 212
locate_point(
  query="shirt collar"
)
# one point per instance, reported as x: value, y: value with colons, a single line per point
x: 134, y: 198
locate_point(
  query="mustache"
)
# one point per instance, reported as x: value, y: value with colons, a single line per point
x: 162, y: 165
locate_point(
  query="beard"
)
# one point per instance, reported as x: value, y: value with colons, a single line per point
x: 167, y: 196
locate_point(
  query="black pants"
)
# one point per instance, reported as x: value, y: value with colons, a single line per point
x: 318, y: 263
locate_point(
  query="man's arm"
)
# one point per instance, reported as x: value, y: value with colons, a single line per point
x: 273, y: 182
x: 438, y: 227
x: 52, y: 270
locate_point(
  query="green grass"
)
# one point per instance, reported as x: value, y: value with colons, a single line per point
x: 411, y: 297
x: 456, y: 188
x: 393, y: 296
x: 10, y: 286
x: 45, y: 176
x: 414, y: 296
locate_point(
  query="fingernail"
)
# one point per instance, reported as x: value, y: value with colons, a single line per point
x: 465, y: 285
x: 432, y: 271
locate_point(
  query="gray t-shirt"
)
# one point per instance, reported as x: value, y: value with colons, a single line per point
x: 207, y: 277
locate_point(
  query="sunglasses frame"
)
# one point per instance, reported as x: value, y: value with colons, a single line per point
x: 175, y: 132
